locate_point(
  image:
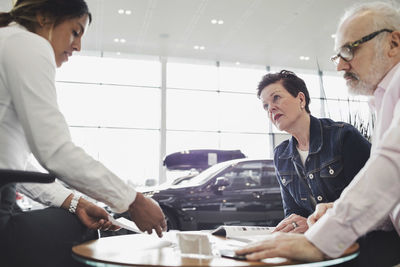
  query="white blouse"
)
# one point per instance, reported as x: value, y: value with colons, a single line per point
x: 31, y: 122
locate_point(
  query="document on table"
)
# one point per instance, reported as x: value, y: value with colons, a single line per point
x: 125, y: 223
x: 243, y: 233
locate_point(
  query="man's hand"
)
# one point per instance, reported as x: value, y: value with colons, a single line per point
x: 286, y: 245
x: 292, y: 224
x: 147, y: 215
x: 320, y: 210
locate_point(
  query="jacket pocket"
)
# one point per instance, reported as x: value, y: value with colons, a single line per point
x: 331, y: 169
x: 286, y: 178
x: 332, y: 178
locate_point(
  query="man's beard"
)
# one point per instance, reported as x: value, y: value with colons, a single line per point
x: 375, y: 74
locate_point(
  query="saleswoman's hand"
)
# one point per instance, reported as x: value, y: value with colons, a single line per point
x: 91, y: 215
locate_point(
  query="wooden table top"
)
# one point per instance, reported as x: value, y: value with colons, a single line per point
x: 149, y: 250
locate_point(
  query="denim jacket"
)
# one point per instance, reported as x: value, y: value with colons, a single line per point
x: 337, y: 151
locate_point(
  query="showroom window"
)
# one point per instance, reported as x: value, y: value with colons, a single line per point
x: 113, y: 107
x: 213, y: 106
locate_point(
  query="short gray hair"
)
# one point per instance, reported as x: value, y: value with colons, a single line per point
x: 386, y: 16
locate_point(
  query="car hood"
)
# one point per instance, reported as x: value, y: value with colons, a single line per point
x: 168, y: 187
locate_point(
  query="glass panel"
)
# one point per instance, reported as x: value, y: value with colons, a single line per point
x: 362, y: 118
x: 315, y: 107
x: 182, y: 140
x: 279, y: 138
x: 130, y: 154
x: 112, y: 106
x: 242, y: 113
x: 192, y: 110
x: 111, y: 70
x: 350, y: 111
x: 338, y: 110
x: 276, y: 130
x: 240, y: 79
x: 335, y: 86
x: 312, y: 83
x: 361, y: 110
x: 252, y: 145
x: 190, y: 76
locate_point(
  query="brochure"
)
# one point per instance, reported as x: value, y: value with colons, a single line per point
x: 125, y: 223
x: 243, y: 233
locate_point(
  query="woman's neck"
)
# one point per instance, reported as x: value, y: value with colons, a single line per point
x: 301, y: 131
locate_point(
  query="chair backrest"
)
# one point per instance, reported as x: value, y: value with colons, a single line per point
x: 16, y: 176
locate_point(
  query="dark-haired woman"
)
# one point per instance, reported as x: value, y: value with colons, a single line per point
x: 319, y: 160
x: 37, y: 36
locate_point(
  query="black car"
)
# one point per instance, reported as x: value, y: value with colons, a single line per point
x: 235, y: 192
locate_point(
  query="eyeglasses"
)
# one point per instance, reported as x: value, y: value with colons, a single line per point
x: 346, y: 52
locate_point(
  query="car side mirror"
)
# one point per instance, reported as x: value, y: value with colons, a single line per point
x: 221, y: 183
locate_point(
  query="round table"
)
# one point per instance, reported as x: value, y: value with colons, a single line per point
x: 149, y: 250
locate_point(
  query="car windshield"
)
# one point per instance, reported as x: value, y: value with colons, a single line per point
x: 206, y: 174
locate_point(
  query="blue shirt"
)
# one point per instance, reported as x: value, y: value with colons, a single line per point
x: 337, y: 151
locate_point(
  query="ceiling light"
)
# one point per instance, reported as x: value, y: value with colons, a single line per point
x: 333, y: 36
x: 237, y: 63
x: 304, y: 58
x: 202, y: 48
x: 217, y: 21
x: 120, y: 40
x: 196, y: 47
x: 123, y: 11
x: 118, y: 53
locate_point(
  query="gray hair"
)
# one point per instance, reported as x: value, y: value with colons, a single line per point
x: 386, y: 16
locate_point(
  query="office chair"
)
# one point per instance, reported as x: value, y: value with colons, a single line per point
x: 16, y: 176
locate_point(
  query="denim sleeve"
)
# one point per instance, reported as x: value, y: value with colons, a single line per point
x: 356, y: 151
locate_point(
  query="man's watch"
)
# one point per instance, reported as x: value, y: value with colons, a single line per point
x: 74, y: 203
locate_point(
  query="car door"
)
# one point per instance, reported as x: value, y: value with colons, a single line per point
x: 241, y: 202
x: 271, y: 194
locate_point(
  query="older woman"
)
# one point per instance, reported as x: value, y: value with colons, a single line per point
x: 321, y: 157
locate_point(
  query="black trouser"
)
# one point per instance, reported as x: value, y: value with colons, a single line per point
x: 377, y: 249
x: 38, y: 238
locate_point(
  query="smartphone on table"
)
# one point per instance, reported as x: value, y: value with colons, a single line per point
x: 227, y: 253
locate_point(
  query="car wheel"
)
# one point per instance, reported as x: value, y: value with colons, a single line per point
x: 172, y: 223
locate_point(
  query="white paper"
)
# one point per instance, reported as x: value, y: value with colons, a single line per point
x: 241, y: 231
x: 194, y: 243
x: 125, y: 223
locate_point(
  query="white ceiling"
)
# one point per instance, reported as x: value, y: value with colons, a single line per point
x: 262, y: 32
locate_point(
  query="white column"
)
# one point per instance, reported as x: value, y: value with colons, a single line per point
x: 162, y: 177
x: 322, y: 94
